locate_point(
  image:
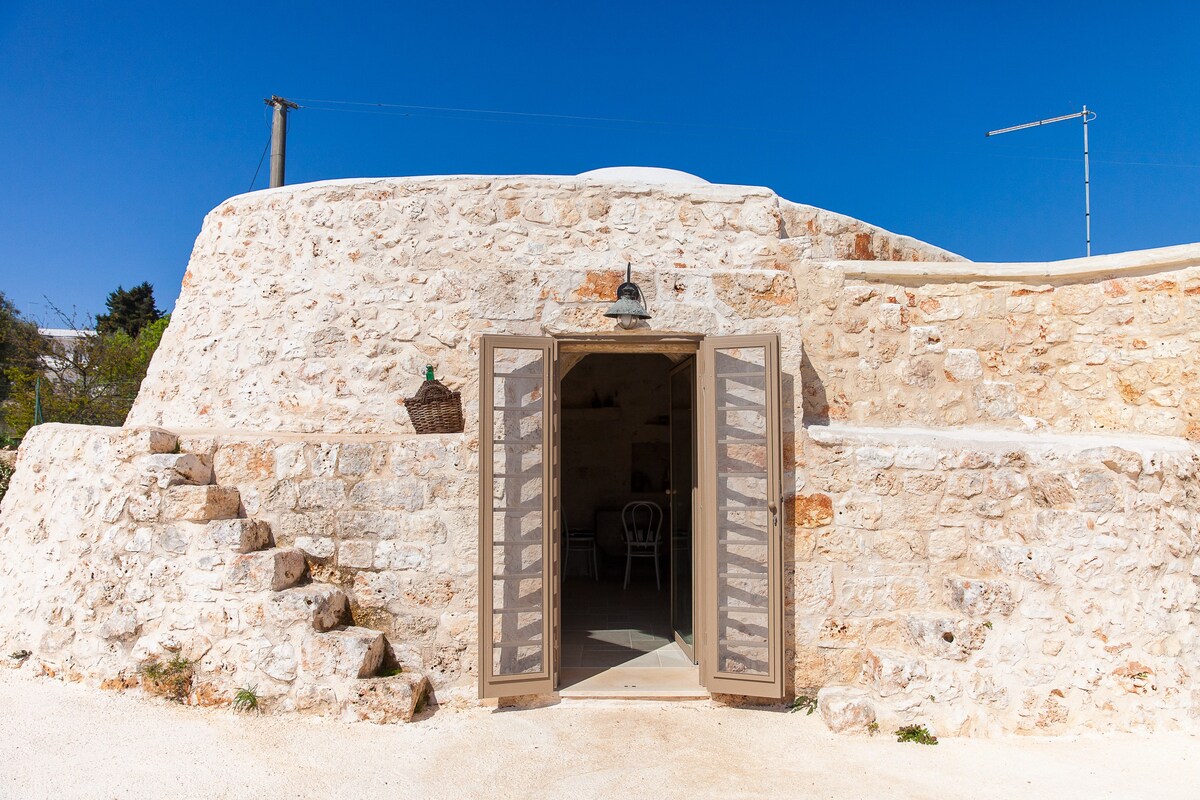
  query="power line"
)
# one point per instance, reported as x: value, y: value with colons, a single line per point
x: 495, y: 115
x: 260, y: 162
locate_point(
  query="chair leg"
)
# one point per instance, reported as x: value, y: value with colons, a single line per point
x: 595, y: 563
x: 657, y: 573
x: 628, y: 564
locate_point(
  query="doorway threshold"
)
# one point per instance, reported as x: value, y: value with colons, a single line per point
x: 633, y: 683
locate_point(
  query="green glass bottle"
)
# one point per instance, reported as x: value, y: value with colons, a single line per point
x: 429, y: 372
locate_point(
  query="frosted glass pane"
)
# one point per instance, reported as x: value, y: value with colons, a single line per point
x: 743, y: 513
x: 518, y: 561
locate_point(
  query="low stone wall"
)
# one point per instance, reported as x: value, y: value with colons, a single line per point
x: 1105, y: 352
x: 985, y: 583
x: 976, y: 582
x: 117, y: 549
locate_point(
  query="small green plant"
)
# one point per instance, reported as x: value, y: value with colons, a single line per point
x: 915, y: 733
x: 803, y: 703
x: 988, y: 624
x: 246, y: 699
x: 172, y: 680
x: 390, y: 672
x: 20, y: 655
x: 1141, y: 676
x: 873, y: 728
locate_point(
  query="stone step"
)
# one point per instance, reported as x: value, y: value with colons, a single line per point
x: 201, y: 503
x: 267, y: 570
x: 320, y: 605
x: 344, y: 653
x: 237, y: 535
x: 386, y: 700
x: 175, y: 469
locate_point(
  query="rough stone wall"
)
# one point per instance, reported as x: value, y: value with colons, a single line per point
x: 1102, y: 354
x: 119, y: 550
x: 312, y: 308
x: 990, y: 584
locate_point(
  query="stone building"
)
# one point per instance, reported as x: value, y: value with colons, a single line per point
x: 922, y: 489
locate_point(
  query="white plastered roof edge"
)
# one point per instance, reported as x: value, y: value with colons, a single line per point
x: 991, y: 439
x: 680, y: 188
x: 1113, y: 264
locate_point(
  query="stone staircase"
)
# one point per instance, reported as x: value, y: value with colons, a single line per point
x: 328, y: 664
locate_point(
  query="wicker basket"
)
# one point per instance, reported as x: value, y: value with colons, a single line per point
x: 435, y: 409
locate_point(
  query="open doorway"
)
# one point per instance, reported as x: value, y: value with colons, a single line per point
x: 628, y: 436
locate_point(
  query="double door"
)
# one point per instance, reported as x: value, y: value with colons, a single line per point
x: 726, y: 597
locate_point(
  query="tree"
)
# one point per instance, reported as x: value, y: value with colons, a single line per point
x: 21, y: 346
x: 129, y: 310
x: 90, y: 381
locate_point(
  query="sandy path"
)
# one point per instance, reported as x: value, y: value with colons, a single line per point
x: 65, y: 741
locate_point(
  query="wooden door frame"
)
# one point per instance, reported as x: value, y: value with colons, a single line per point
x: 770, y: 685
x: 542, y: 682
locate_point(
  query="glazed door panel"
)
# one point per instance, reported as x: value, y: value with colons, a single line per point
x: 742, y: 578
x: 683, y: 503
x: 517, y: 552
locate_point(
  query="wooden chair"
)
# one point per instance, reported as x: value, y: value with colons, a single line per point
x: 642, y: 521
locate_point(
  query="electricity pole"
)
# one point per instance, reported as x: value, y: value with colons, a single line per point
x: 1087, y: 117
x: 279, y: 136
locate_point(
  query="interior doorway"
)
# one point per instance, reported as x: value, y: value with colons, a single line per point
x: 731, y: 529
x: 627, y: 487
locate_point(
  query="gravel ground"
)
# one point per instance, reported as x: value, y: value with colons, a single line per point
x: 66, y: 741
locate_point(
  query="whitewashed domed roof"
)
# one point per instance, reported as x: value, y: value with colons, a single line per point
x: 659, y: 175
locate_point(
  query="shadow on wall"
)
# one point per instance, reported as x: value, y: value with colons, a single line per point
x: 816, y: 404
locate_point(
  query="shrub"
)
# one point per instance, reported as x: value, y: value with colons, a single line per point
x: 6, y: 473
x: 915, y: 733
x: 172, y: 680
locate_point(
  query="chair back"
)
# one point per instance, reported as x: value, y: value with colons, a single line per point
x: 642, y: 521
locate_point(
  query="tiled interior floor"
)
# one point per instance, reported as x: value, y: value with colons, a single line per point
x: 614, y: 638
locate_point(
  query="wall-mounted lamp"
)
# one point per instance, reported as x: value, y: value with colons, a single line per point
x: 628, y: 310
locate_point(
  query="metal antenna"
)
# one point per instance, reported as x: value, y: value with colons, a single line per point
x: 1087, y: 117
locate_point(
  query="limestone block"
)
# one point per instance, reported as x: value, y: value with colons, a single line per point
x: 945, y: 637
x: 121, y: 623
x: 996, y: 399
x: 873, y: 595
x: 923, y: 458
x: 237, y: 535
x: 348, y: 653
x: 317, y: 547
x: 173, y: 469
x: 132, y: 441
x: 890, y: 672
x: 962, y: 364
x: 1051, y: 490
x: 319, y: 605
x: 925, y: 339
x: 859, y: 510
x: 356, y: 554
x: 280, y: 662
x: 199, y: 503
x: 268, y: 570
x: 408, y: 495
x: 979, y: 598
x: 845, y: 710
x: 1015, y: 560
x: 385, y: 700
x: 322, y: 493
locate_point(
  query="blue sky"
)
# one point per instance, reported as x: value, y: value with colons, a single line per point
x: 122, y: 124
